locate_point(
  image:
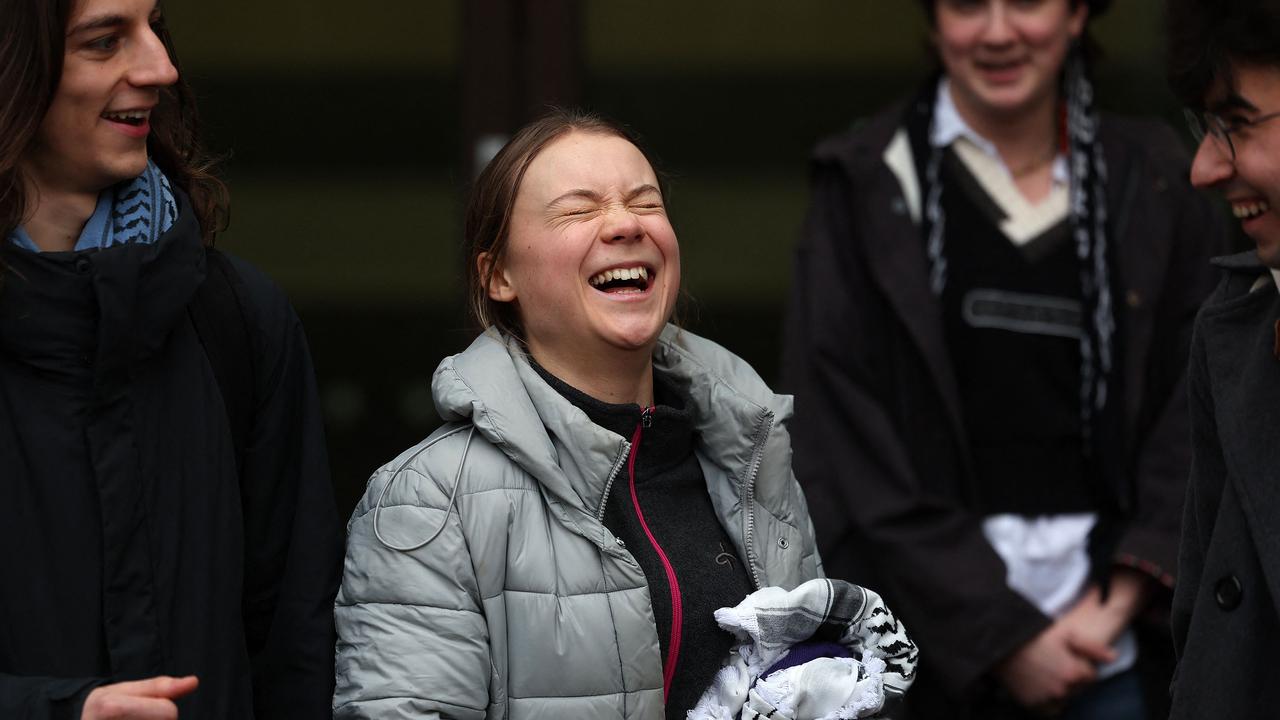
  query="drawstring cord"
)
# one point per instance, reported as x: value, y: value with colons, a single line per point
x: 377, y: 507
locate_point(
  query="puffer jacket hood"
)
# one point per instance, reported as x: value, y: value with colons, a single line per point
x: 522, y: 603
x: 741, y: 423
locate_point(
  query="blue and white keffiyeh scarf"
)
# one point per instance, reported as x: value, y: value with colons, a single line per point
x: 135, y: 211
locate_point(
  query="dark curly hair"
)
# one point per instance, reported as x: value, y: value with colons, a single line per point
x: 1206, y: 37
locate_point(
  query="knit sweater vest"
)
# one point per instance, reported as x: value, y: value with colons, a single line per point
x: 1012, y: 320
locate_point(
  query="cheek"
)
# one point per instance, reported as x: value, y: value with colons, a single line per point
x: 1260, y: 174
x: 955, y: 37
x: 1048, y: 32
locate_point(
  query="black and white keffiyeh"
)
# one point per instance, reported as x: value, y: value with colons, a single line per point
x: 771, y: 621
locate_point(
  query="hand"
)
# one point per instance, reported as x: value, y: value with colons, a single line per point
x: 150, y: 699
x: 1100, y: 622
x: 1050, y: 667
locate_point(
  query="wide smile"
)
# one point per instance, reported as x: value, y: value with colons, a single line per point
x: 134, y: 123
x: 1247, y: 209
x: 634, y: 279
x: 1000, y: 70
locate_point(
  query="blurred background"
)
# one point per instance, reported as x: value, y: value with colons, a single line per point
x: 350, y: 135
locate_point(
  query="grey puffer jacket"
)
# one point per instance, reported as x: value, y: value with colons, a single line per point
x: 524, y: 605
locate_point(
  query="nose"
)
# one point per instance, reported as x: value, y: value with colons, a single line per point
x: 152, y: 66
x: 1211, y: 165
x: 621, y: 225
x: 998, y: 29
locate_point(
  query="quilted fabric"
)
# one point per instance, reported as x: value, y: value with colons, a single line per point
x: 523, y: 605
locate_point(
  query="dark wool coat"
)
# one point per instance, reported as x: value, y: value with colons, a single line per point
x: 881, y: 446
x: 128, y: 550
x: 1226, y: 621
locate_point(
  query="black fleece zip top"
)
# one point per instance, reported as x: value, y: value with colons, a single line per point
x: 659, y: 507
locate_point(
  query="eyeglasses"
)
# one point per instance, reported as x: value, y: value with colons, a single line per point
x: 1206, y: 123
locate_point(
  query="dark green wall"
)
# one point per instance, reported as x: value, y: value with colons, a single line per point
x: 342, y: 130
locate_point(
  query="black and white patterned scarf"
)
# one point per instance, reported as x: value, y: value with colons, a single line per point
x: 1088, y: 217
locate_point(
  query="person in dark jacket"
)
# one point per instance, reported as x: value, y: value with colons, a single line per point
x: 987, y: 339
x: 160, y: 556
x: 1225, y: 64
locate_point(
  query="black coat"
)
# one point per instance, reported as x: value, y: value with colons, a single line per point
x: 880, y: 444
x: 1226, y: 619
x: 128, y: 549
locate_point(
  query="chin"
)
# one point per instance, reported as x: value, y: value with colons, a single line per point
x: 126, y: 168
x: 635, y: 339
x: 1269, y: 253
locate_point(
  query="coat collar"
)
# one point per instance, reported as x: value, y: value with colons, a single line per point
x: 896, y: 256
x: 737, y: 418
x: 100, y: 311
x: 1243, y: 262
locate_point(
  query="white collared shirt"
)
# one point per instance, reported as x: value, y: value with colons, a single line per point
x: 948, y: 126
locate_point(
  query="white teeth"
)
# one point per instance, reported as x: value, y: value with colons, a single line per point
x: 634, y: 273
x: 1244, y: 211
x: 130, y: 115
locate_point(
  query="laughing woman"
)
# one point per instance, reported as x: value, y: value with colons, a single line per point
x: 605, y: 480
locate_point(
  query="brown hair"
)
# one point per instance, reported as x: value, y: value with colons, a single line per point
x: 1096, y: 8
x: 32, y: 46
x: 493, y: 197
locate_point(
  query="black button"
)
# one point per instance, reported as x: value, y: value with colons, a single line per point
x: 1228, y: 592
x: 83, y: 264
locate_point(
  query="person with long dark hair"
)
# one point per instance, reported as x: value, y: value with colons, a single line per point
x: 987, y: 341
x: 171, y: 543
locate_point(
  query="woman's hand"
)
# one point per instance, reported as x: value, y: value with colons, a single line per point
x: 150, y: 699
x: 1099, y: 622
x: 1052, y: 666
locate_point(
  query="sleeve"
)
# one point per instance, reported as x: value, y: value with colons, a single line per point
x: 413, y: 641
x: 868, y: 503
x: 1204, y: 490
x: 293, y: 538
x: 44, y: 698
x: 1149, y: 542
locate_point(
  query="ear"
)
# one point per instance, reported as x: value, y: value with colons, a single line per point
x: 499, y: 283
x: 1079, y: 16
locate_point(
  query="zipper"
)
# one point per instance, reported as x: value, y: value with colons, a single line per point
x: 757, y: 453
x: 623, y: 454
x: 673, y: 584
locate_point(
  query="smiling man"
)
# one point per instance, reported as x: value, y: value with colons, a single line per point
x: 1225, y: 63
x: 170, y: 540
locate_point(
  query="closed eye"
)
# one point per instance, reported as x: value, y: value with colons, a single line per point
x: 1233, y: 123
